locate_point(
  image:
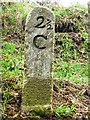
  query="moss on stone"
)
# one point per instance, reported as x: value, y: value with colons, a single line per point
x: 38, y: 111
x: 37, y: 92
x: 37, y: 95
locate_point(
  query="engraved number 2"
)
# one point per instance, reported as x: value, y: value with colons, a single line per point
x: 39, y: 25
x: 41, y: 19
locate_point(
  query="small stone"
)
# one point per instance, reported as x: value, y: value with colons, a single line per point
x: 39, y: 37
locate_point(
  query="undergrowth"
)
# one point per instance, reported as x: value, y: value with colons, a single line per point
x: 71, y: 59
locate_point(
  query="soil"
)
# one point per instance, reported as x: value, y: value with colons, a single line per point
x: 64, y: 92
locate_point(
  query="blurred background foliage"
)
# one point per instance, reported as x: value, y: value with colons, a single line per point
x: 71, y: 49
x: 71, y: 37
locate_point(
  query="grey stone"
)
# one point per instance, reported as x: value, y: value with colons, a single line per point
x: 39, y: 38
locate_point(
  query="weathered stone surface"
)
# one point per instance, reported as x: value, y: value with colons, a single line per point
x: 39, y: 38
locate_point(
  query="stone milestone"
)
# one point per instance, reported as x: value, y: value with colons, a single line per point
x: 39, y: 37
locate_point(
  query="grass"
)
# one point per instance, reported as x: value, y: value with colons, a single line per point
x: 64, y: 110
x: 11, y: 60
x: 12, y: 15
x: 12, y: 56
x: 72, y: 71
x: 72, y: 10
x: 70, y: 64
x: 10, y: 71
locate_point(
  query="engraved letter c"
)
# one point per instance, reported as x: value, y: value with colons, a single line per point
x: 35, y: 39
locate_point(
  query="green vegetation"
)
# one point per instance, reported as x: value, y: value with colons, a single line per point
x: 74, y: 71
x: 71, y: 54
x: 71, y: 58
x: 64, y: 110
x: 11, y: 60
x: 11, y: 72
x: 13, y: 15
x: 70, y: 11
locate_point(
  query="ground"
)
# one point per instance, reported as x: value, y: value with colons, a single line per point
x: 71, y: 93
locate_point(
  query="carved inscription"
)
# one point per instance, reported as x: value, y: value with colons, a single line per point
x: 41, y: 21
x: 41, y: 24
x: 39, y: 37
x: 36, y: 43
